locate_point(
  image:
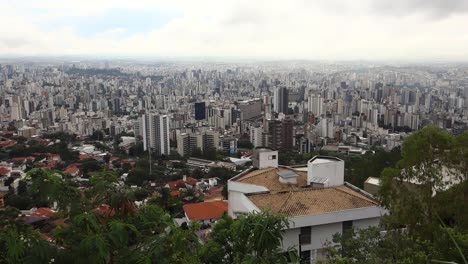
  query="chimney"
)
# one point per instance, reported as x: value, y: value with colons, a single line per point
x: 184, y: 178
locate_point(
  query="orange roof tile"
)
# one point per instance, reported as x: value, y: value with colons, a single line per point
x: 191, y: 181
x: 268, y: 177
x: 71, y: 169
x: 84, y: 156
x: 104, y: 210
x: 4, y: 171
x: 45, y: 211
x: 205, y: 210
x: 23, y: 158
x: 312, y: 201
x: 176, y: 185
x: 175, y: 193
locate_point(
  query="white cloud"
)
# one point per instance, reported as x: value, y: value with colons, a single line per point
x: 334, y: 29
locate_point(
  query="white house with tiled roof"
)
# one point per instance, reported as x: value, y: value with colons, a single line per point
x: 315, y: 198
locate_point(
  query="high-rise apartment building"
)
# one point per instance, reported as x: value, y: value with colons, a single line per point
x: 188, y: 142
x: 155, y: 128
x: 256, y: 136
x: 200, y: 111
x: 280, y: 100
x: 280, y: 134
x: 250, y: 108
x: 315, y: 104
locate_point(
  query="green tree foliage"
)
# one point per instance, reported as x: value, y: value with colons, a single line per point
x: 220, y: 172
x: 426, y: 193
x: 121, y: 233
x: 370, y: 246
x: 90, y: 165
x: 136, y: 150
x: 410, y: 190
x: 65, y: 153
x: 357, y: 167
x: 97, y: 135
x: 208, y: 153
x: 245, y: 143
x: 140, y: 194
x: 166, y: 201
x: 22, y: 202
x: 19, y: 243
x: 254, y: 238
x: 62, y: 136
x: 141, y: 173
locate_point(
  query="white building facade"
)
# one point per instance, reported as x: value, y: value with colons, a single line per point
x: 155, y: 130
x: 315, y: 198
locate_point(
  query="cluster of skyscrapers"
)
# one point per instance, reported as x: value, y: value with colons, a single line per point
x: 183, y: 107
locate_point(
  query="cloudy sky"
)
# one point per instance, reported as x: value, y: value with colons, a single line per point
x: 290, y: 29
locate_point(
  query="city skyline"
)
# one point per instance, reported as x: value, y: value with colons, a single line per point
x: 273, y: 30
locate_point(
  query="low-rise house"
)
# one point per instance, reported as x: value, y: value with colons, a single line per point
x: 207, y: 164
x: 37, y: 216
x: 184, y: 183
x: 315, y: 198
x: 214, y: 194
x: 205, y: 212
x: 73, y: 170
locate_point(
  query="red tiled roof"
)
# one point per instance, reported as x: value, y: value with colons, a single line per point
x: 7, y: 143
x: 215, y: 190
x: 45, y: 211
x: 176, y: 185
x: 205, y: 210
x: 104, y: 210
x: 175, y: 193
x: 47, y: 237
x: 247, y: 153
x: 214, y: 193
x: 4, y: 171
x: 71, y: 169
x: 23, y: 158
x: 60, y: 222
x: 191, y: 181
x: 84, y: 156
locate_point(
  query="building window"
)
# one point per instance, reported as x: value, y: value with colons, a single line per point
x: 305, y: 235
x: 305, y: 257
x: 347, y: 225
x: 272, y: 157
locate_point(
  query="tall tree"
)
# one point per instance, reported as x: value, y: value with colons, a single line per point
x: 254, y: 238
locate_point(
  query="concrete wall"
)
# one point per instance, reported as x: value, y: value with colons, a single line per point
x: 291, y: 238
x: 335, y: 217
x: 323, y: 233
x: 366, y: 223
x: 320, y: 235
x: 245, y: 187
x: 331, y: 170
x: 371, y: 188
x: 265, y: 159
x: 239, y: 203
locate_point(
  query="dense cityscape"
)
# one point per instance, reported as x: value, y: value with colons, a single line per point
x: 306, y: 146
x: 234, y: 132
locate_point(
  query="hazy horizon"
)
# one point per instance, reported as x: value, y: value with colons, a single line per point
x: 368, y: 30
